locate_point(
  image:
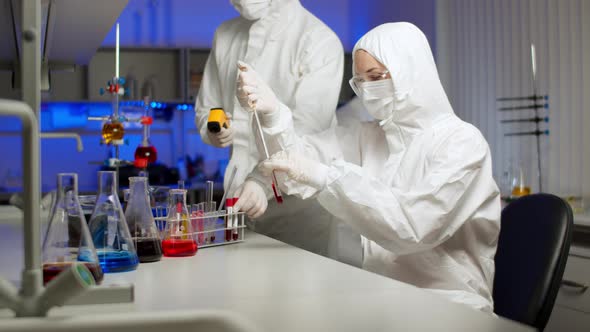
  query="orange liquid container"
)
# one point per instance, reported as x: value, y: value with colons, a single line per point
x: 112, y: 131
x: 519, y: 191
x: 146, y: 152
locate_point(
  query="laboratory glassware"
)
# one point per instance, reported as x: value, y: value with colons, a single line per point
x: 519, y: 187
x: 178, y: 236
x: 109, y: 230
x: 145, y: 150
x: 275, y: 184
x: 112, y: 132
x: 140, y: 220
x: 68, y: 240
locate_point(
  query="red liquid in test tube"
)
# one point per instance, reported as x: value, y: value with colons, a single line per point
x: 229, y: 205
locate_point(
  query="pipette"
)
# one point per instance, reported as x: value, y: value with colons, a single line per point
x: 231, y: 181
x: 275, y: 183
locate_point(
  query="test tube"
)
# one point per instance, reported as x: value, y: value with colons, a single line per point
x: 229, y: 205
x: 209, y: 195
x: 275, y: 187
x: 235, y: 234
x: 229, y: 184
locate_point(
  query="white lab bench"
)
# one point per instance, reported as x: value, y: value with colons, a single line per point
x: 280, y: 288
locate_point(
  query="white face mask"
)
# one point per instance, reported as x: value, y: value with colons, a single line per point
x: 252, y: 9
x: 378, y: 98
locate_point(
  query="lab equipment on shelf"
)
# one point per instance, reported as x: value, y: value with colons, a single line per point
x: 67, y: 241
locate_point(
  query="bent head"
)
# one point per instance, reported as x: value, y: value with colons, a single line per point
x: 393, y: 63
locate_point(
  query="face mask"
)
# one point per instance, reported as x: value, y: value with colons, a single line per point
x: 378, y: 98
x: 252, y: 9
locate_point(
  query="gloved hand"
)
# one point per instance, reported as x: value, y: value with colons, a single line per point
x: 297, y: 167
x: 223, y: 138
x: 251, y: 199
x: 253, y: 92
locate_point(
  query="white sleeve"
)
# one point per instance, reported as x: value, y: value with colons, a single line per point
x: 427, y: 214
x: 316, y: 98
x: 210, y: 95
x: 318, y: 88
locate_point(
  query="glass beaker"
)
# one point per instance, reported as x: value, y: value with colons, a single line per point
x: 114, y: 246
x: 519, y: 187
x: 178, y: 236
x: 68, y: 240
x: 141, y: 221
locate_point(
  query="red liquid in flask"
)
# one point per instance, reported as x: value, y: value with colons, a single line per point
x: 146, y: 152
x: 51, y: 270
x: 235, y: 236
x: 179, y: 247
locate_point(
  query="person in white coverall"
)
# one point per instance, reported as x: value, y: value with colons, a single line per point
x: 301, y: 60
x: 420, y: 191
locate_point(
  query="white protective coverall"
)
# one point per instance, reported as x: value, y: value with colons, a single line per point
x: 301, y: 59
x: 423, y: 197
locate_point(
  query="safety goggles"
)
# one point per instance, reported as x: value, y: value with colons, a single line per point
x: 356, y: 81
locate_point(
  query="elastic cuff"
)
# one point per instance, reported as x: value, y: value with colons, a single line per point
x: 262, y: 181
x: 270, y: 120
x: 281, y: 121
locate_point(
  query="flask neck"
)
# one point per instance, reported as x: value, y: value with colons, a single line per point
x: 107, y: 183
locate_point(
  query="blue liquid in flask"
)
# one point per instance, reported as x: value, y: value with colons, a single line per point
x: 117, y: 261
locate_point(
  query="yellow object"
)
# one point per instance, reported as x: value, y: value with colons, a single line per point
x: 519, y: 187
x: 519, y: 191
x: 216, y: 120
x: 112, y: 131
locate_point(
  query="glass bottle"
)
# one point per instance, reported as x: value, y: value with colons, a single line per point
x: 178, y: 236
x: 145, y: 150
x: 141, y: 221
x: 113, y: 131
x: 114, y: 246
x: 68, y: 240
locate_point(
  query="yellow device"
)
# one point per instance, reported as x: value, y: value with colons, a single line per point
x: 217, y: 119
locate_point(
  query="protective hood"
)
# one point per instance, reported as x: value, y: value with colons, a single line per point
x: 419, y: 98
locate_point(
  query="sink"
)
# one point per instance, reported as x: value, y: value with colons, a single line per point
x: 177, y: 321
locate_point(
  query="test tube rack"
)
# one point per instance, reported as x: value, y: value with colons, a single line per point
x: 208, y: 232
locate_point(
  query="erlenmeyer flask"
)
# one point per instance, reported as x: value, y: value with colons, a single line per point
x: 114, y: 246
x: 178, y: 236
x: 141, y: 221
x: 68, y: 240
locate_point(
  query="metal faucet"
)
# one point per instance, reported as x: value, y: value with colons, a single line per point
x: 33, y: 299
x: 79, y: 145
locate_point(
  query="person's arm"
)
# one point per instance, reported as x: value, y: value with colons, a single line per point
x: 424, y: 215
x: 210, y: 94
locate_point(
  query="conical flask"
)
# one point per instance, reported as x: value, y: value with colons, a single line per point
x: 114, y: 246
x: 141, y: 221
x: 178, y: 236
x: 68, y: 240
